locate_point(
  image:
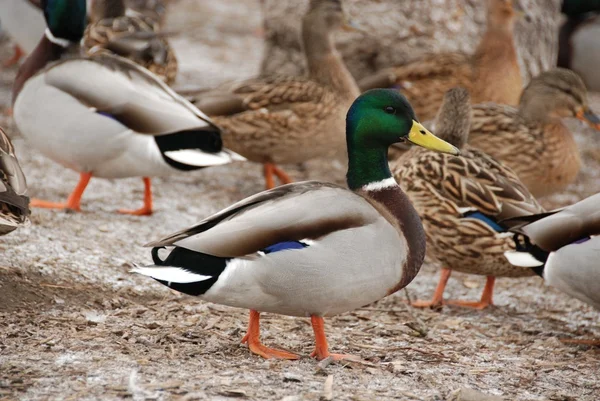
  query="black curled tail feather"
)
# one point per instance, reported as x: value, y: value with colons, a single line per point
x: 524, y: 244
x: 195, y: 262
x: 206, y: 139
x: 155, y: 258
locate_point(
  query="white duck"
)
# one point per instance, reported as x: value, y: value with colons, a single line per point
x: 311, y: 248
x: 105, y: 116
x: 24, y: 23
x: 563, y: 247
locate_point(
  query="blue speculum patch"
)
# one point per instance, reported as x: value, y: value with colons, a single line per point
x: 486, y: 219
x: 105, y: 114
x: 284, y: 246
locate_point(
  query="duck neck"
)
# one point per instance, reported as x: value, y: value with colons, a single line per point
x: 368, y: 168
x: 537, y: 110
x: 324, y: 62
x: 101, y: 9
x: 497, y: 42
x: 48, y: 49
x: 369, y: 176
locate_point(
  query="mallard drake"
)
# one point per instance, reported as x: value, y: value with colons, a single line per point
x: 105, y: 116
x: 491, y: 74
x: 461, y: 201
x: 14, y: 203
x: 578, y: 47
x: 132, y: 35
x: 311, y: 248
x: 533, y: 134
x: 288, y: 119
x: 563, y: 247
x: 24, y: 22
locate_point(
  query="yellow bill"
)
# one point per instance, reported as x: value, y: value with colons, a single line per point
x: 421, y: 136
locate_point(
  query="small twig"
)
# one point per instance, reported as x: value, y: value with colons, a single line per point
x: 420, y: 327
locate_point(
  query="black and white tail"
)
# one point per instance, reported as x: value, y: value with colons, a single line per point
x: 184, y: 270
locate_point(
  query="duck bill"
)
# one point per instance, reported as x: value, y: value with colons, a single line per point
x: 421, y: 136
x: 588, y: 116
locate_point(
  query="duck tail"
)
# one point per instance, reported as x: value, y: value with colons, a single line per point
x: 527, y: 254
x: 195, y: 149
x: 184, y: 270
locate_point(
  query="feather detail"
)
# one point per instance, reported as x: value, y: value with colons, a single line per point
x: 14, y: 202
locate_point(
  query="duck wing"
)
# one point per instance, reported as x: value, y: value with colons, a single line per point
x: 294, y: 212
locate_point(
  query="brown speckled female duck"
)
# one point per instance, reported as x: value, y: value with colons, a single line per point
x: 461, y: 201
x: 491, y: 74
x: 14, y: 202
x: 288, y: 119
x: 532, y: 139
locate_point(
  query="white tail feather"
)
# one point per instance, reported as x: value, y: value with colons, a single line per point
x: 170, y: 274
x: 198, y: 158
x: 522, y: 259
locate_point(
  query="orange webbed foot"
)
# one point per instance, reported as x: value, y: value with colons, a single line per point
x: 319, y: 355
x: 143, y: 211
x: 54, y: 205
x: 256, y: 347
x: 18, y: 54
x: 480, y: 305
x: 432, y: 304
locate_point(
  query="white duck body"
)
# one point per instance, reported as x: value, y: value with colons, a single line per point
x: 106, y: 116
x: 346, y: 255
x: 574, y: 269
x: 23, y: 22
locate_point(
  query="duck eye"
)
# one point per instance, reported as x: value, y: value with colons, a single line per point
x: 390, y: 110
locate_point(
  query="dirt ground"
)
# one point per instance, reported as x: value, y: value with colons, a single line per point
x: 75, y: 325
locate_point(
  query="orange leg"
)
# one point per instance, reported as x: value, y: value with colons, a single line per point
x: 486, y: 297
x: 271, y: 170
x: 74, y: 200
x: 256, y: 347
x: 438, y: 295
x: 321, y: 348
x: 15, y: 58
x: 283, y: 177
x: 145, y: 210
x: 268, y: 172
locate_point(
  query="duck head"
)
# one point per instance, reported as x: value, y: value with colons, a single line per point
x: 376, y: 120
x: 501, y: 15
x: 66, y: 19
x: 556, y: 94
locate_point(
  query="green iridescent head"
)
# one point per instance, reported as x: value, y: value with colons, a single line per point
x: 376, y: 120
x: 66, y: 19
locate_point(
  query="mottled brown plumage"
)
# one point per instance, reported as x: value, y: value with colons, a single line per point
x: 533, y: 134
x: 14, y: 202
x: 447, y: 190
x: 132, y: 35
x: 287, y: 119
x: 491, y: 74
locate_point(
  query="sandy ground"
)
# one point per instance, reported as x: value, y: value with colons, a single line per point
x: 75, y: 325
